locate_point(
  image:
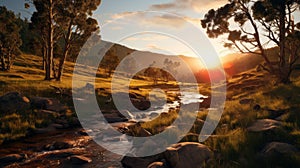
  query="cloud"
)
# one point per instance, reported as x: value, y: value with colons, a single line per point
x: 195, y: 5
x: 122, y: 15
x: 166, y: 20
x: 147, y: 38
x: 153, y: 47
x: 153, y: 19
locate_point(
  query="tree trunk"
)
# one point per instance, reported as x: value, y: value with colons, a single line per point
x: 50, y: 43
x: 66, y: 51
x: 2, y: 61
x: 44, y: 50
x: 284, y: 76
x: 54, y: 70
x: 8, y: 61
x: 61, y: 65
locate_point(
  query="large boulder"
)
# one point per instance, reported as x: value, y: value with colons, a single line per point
x: 50, y: 104
x: 13, y: 102
x: 279, y: 148
x: 187, y: 154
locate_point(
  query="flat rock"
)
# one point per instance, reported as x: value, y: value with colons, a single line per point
x: 153, y: 115
x: 187, y: 154
x: 80, y: 160
x: 157, y: 165
x: 264, y: 125
x: 61, y: 145
x: 12, y: 158
x: 279, y: 148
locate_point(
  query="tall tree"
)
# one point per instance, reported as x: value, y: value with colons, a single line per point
x: 63, y: 24
x: 248, y: 23
x: 38, y: 25
x: 76, y: 25
x: 10, y: 39
x: 46, y: 12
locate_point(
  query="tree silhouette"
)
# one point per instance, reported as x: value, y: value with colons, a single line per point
x: 171, y: 67
x: 247, y: 22
x: 110, y: 61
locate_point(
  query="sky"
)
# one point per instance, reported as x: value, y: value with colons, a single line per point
x: 152, y: 25
x: 148, y: 25
x: 157, y: 25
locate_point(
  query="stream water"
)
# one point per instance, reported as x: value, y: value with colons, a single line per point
x: 33, y: 146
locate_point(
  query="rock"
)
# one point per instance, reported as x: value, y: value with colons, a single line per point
x: 138, y: 130
x: 205, y: 103
x: 47, y: 104
x: 59, y: 145
x: 49, y: 129
x: 84, y: 132
x: 13, y: 102
x: 47, y: 114
x: 80, y: 160
x: 156, y: 165
x: 127, y: 114
x: 257, y: 107
x: 246, y: 101
x: 279, y: 148
x: 116, y: 119
x: 58, y: 126
x: 264, y: 125
x: 135, y: 162
x: 187, y: 154
x: 153, y: 115
x: 11, y: 158
x: 273, y: 114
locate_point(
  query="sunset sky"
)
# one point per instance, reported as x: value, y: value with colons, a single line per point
x: 150, y: 25
x: 170, y: 16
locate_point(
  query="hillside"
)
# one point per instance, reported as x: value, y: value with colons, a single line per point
x: 260, y: 122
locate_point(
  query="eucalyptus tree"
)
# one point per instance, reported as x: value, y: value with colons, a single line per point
x: 253, y: 26
x: 65, y: 24
x: 76, y: 24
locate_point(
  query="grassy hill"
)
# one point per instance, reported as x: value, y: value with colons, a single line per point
x: 260, y: 126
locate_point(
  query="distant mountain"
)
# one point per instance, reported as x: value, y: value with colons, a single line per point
x: 233, y: 63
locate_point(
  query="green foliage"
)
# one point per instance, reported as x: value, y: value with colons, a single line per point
x: 10, y: 40
x: 253, y: 20
x: 62, y: 25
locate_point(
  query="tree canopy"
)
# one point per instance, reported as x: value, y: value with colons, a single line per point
x: 10, y: 39
x: 62, y: 25
x: 253, y: 26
